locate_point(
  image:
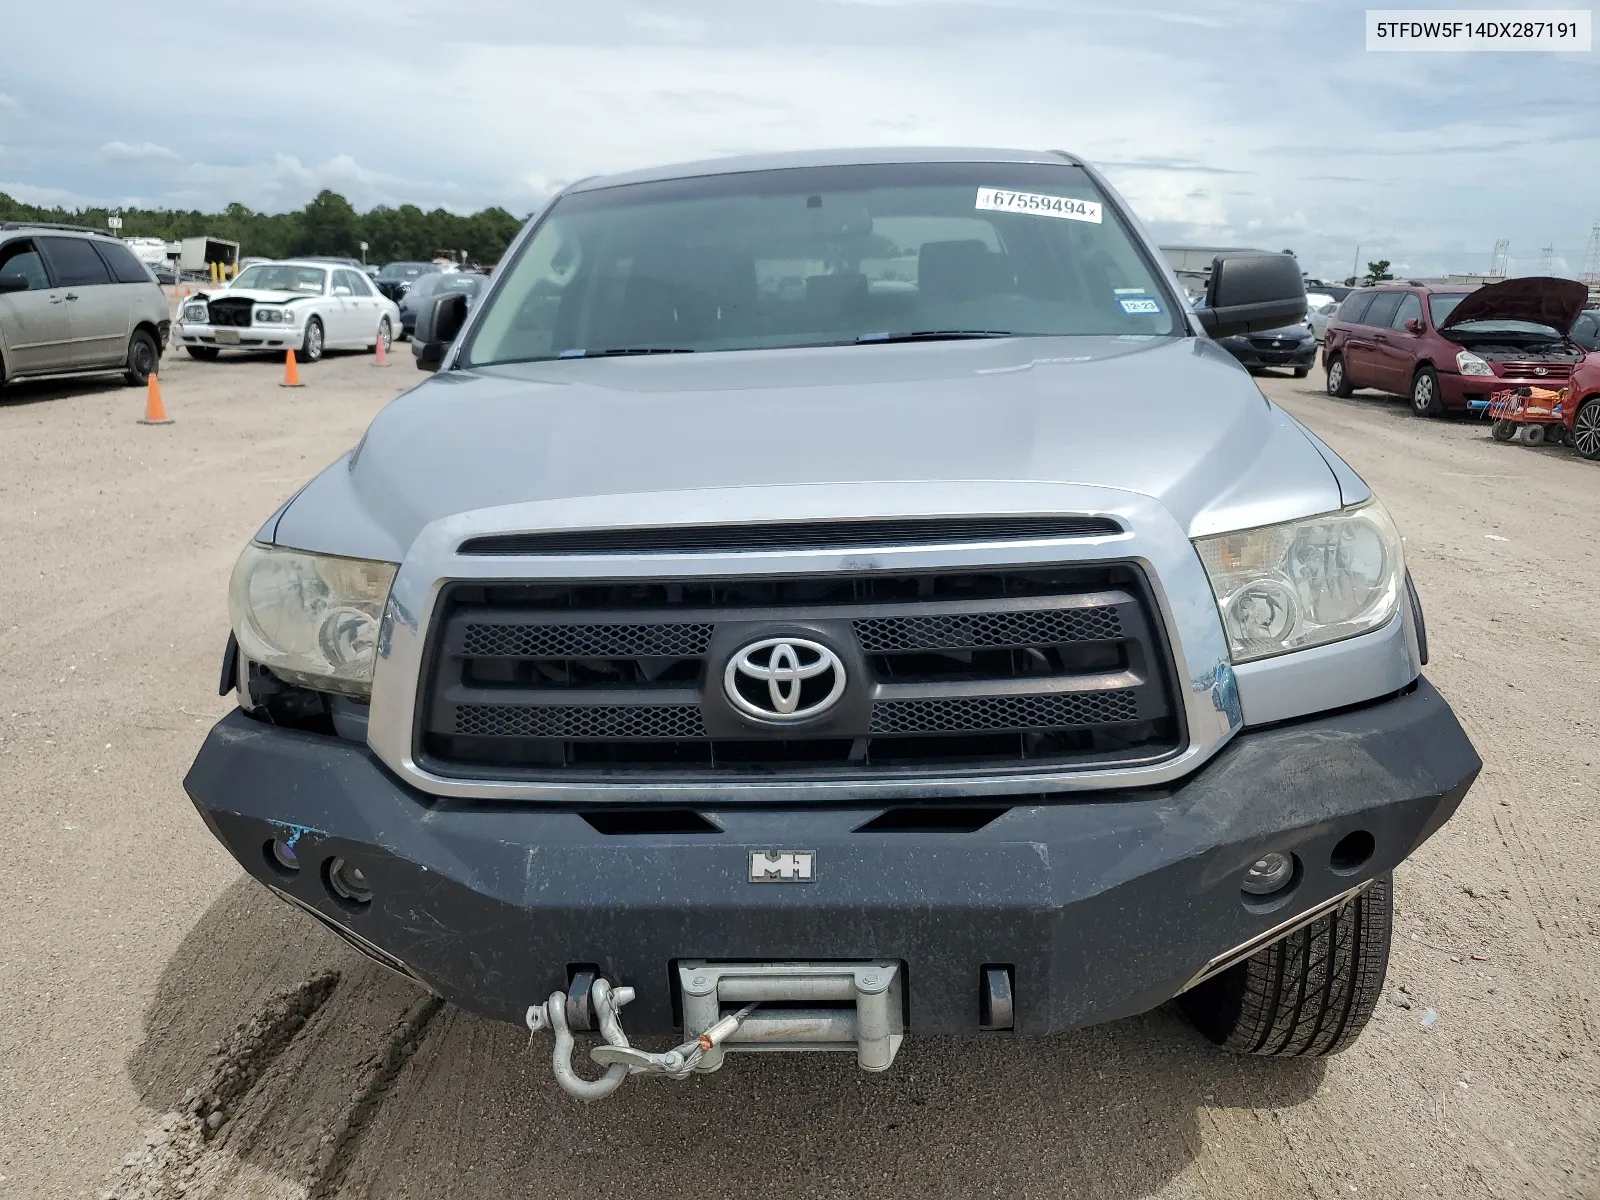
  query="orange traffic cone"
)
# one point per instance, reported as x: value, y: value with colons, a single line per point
x: 383, y: 353
x: 155, y: 413
x: 291, y: 371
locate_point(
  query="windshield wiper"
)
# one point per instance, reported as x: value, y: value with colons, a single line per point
x: 934, y: 335
x: 620, y: 351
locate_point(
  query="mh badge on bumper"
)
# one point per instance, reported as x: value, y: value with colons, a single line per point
x: 783, y: 866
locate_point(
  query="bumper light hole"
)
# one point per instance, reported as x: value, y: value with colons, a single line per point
x: 1353, y: 852
x: 347, y: 882
x: 1269, y: 874
x: 281, y: 857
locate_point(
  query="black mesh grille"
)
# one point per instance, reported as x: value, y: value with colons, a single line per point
x: 579, y: 721
x: 1003, y: 713
x: 957, y: 631
x: 231, y: 312
x: 585, y: 641
x: 1035, y: 666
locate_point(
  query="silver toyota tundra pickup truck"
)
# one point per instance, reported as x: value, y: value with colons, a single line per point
x: 820, y: 599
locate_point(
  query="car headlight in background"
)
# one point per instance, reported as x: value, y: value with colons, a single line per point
x: 311, y: 618
x: 196, y: 314
x: 1468, y: 363
x: 1305, y: 583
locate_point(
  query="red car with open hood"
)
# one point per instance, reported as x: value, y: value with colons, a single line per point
x: 1450, y: 348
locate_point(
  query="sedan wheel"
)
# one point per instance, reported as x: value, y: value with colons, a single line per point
x: 385, y: 334
x: 1586, y: 429
x: 311, y: 350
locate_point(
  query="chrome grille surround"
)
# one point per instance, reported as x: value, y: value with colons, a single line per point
x: 1204, y: 687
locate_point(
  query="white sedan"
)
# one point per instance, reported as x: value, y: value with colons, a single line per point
x: 1319, y: 311
x: 307, y: 307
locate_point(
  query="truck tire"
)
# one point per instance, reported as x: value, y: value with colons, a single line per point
x: 1309, y: 994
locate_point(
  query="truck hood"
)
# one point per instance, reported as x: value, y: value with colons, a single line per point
x: 1538, y: 298
x: 1173, y: 419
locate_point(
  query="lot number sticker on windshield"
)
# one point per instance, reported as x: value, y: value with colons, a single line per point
x: 1000, y: 200
x: 1139, y: 305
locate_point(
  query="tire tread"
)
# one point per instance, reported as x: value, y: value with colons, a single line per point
x: 1309, y: 994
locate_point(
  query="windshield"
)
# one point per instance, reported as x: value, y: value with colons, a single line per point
x: 822, y: 256
x: 281, y: 277
x: 1441, y: 305
x: 405, y: 270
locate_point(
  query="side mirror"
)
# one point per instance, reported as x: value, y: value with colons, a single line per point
x: 1414, y: 325
x: 12, y: 283
x: 341, y: 290
x: 438, y: 324
x: 1250, y: 292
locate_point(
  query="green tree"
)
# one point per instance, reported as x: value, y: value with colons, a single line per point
x: 329, y: 225
x: 1379, y: 270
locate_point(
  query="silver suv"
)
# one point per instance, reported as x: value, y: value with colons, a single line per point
x: 76, y: 301
x: 826, y: 599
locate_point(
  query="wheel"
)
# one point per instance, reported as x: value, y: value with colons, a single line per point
x: 1425, y: 400
x: 1338, y: 381
x: 1503, y: 431
x: 1309, y: 994
x: 1533, y: 435
x: 144, y: 356
x: 1586, y: 429
x: 385, y: 335
x: 203, y: 353
x: 1301, y: 372
x: 311, y: 348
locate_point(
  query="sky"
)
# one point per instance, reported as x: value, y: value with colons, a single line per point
x: 1221, y: 122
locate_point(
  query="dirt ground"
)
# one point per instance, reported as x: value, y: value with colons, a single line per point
x: 142, y: 975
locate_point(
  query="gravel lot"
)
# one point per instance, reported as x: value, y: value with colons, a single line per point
x: 138, y: 966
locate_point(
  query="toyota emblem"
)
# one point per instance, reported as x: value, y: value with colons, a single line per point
x: 784, y: 679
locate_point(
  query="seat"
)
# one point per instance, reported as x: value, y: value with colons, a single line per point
x: 950, y: 272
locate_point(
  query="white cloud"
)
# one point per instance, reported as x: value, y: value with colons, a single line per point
x: 140, y: 154
x: 1316, y: 145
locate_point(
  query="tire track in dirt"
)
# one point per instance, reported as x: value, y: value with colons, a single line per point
x: 170, y: 1159
x: 252, y: 1096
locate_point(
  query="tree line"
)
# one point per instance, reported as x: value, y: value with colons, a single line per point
x: 329, y: 224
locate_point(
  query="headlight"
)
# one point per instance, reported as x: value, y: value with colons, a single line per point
x: 196, y: 314
x: 1468, y: 363
x: 312, y: 618
x: 1305, y: 583
x: 269, y: 316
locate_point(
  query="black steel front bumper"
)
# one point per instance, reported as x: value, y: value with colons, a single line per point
x: 1104, y: 904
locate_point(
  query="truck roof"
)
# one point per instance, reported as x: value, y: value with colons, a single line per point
x: 822, y: 158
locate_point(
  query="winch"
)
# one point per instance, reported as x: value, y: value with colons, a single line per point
x: 765, y: 1007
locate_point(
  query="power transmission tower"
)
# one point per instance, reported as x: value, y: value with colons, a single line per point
x: 1591, y: 259
x: 1498, y: 260
x: 1547, y: 260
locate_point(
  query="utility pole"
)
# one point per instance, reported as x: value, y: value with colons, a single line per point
x: 1355, y: 264
x: 1501, y: 256
x: 1591, y: 259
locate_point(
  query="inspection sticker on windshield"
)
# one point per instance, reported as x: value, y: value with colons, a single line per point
x: 1139, y: 305
x: 1001, y: 200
